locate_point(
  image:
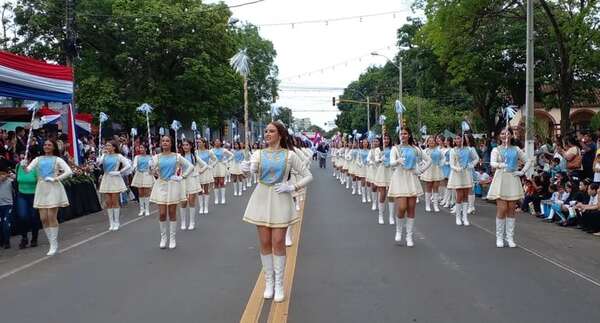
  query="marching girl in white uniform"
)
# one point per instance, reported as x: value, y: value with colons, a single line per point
x: 49, y: 192
x: 246, y: 178
x: 506, y: 186
x: 220, y: 170
x: 169, y: 188
x: 371, y: 172
x: 345, y: 155
x: 462, y: 162
x: 332, y: 153
x: 405, y: 185
x: 270, y: 207
x: 236, y: 173
x: 433, y: 176
x: 383, y: 177
x: 351, y: 157
x: 112, y: 185
x: 205, y: 178
x: 361, y: 169
x: 443, y: 191
x: 142, y: 179
x: 192, y: 185
x: 471, y: 195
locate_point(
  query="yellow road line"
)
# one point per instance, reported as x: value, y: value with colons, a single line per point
x: 279, y: 311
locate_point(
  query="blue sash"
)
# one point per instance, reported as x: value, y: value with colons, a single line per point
x: 189, y: 158
x: 410, y: 157
x: 143, y: 163
x: 238, y: 155
x: 364, y: 153
x: 510, y: 156
x: 46, y: 166
x: 386, y: 157
x: 436, y: 157
x: 272, y: 166
x: 110, y: 163
x: 167, y: 166
x: 205, y: 156
x: 218, y: 153
x: 464, y: 156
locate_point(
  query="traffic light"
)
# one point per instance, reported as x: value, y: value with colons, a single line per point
x: 333, y: 100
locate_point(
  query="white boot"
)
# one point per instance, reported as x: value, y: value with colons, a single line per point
x: 235, y: 188
x: 500, y: 226
x: 279, y: 268
x: 363, y: 193
x: 348, y: 181
x: 52, y: 235
x: 267, y: 267
x: 410, y: 222
x: 399, y: 225
x: 471, y: 205
x: 192, y: 219
x: 111, y: 222
x: 369, y: 195
x: 446, y: 199
x: 381, y: 210
x: 458, y: 213
x: 183, y: 213
x: 392, y: 212
x: 163, y: 234
x: 373, y: 201
x: 116, y: 217
x: 172, y: 233
x: 248, y: 183
x: 206, y: 198
x: 353, y: 188
x: 434, y: 199
x: 452, y: 198
x: 216, y: 191
x: 242, y: 188
x: 222, y: 195
x: 427, y: 202
x: 510, y: 232
x: 288, y: 237
x: 465, y: 214
x: 141, y: 204
x: 200, y: 204
x: 147, y: 206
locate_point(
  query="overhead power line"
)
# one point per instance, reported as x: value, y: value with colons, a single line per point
x: 336, y: 19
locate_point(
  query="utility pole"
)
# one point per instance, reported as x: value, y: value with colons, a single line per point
x: 399, y: 77
x: 70, y: 33
x: 529, y: 80
x: 368, y: 115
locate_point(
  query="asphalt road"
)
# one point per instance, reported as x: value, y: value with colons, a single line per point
x: 348, y: 269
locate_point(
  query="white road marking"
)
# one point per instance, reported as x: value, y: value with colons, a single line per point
x: 75, y: 245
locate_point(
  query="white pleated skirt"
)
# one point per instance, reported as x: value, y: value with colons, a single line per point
x: 192, y: 184
x: 352, y: 168
x: 371, y: 170
x: 168, y: 192
x: 404, y: 183
x: 206, y: 177
x: 235, y: 169
x: 112, y: 184
x: 460, y: 179
x: 142, y: 180
x: 433, y: 174
x: 383, y: 176
x: 505, y: 186
x: 50, y: 195
x: 361, y: 171
x: 270, y: 209
x: 344, y: 165
x: 220, y: 170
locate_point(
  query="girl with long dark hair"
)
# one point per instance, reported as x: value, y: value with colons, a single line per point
x: 143, y: 179
x: 206, y: 178
x: 112, y: 185
x: 433, y: 176
x: 271, y: 207
x: 223, y: 157
x: 383, y: 177
x: 462, y: 162
x: 192, y: 185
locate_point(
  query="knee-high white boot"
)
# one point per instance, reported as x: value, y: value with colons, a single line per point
x: 288, y: 237
x: 116, y: 217
x: 500, y: 227
x: 458, y: 214
x: 353, y: 187
x: 141, y: 205
x: 381, y: 211
x: 435, y: 200
x: 427, y: 202
x: 369, y: 193
x: 52, y: 235
x: 392, y: 212
x: 267, y: 267
x: 410, y: 222
x: 279, y: 268
x: 235, y: 189
x: 399, y: 226
x: 510, y: 232
x: 216, y: 191
x: 363, y: 193
x: 453, y: 197
x: 183, y: 213
x: 471, y: 205
x: 373, y: 201
x: 192, y: 218
x: 111, y: 221
x: 172, y: 233
x: 163, y: 234
x: 147, y: 206
x: 222, y: 195
x: 465, y: 214
x: 200, y: 204
x: 206, y: 198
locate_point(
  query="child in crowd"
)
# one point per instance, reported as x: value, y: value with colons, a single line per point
x: 6, y: 202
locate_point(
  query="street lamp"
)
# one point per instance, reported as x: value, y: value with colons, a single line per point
x: 399, y: 67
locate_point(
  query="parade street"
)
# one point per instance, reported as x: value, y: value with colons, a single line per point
x: 345, y: 268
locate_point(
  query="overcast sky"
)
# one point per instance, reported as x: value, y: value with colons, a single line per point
x: 310, y: 47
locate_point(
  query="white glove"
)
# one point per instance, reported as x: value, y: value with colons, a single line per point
x: 284, y: 187
x: 518, y: 173
x: 50, y: 179
x: 245, y: 166
x: 470, y: 166
x: 23, y: 163
x: 176, y: 178
x: 501, y: 165
x: 114, y: 173
x: 417, y: 172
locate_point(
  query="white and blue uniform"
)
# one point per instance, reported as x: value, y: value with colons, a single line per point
x: 462, y: 163
x: 50, y: 194
x: 506, y: 184
x: 192, y: 181
x: 435, y: 172
x: 238, y: 158
x: 383, y: 175
x: 223, y: 156
x: 206, y: 176
x: 141, y: 166
x: 410, y: 162
x: 166, y: 189
x: 111, y: 163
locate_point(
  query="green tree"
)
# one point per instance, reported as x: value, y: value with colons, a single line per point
x: 285, y: 116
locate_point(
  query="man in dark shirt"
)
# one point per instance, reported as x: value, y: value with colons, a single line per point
x: 588, y: 148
